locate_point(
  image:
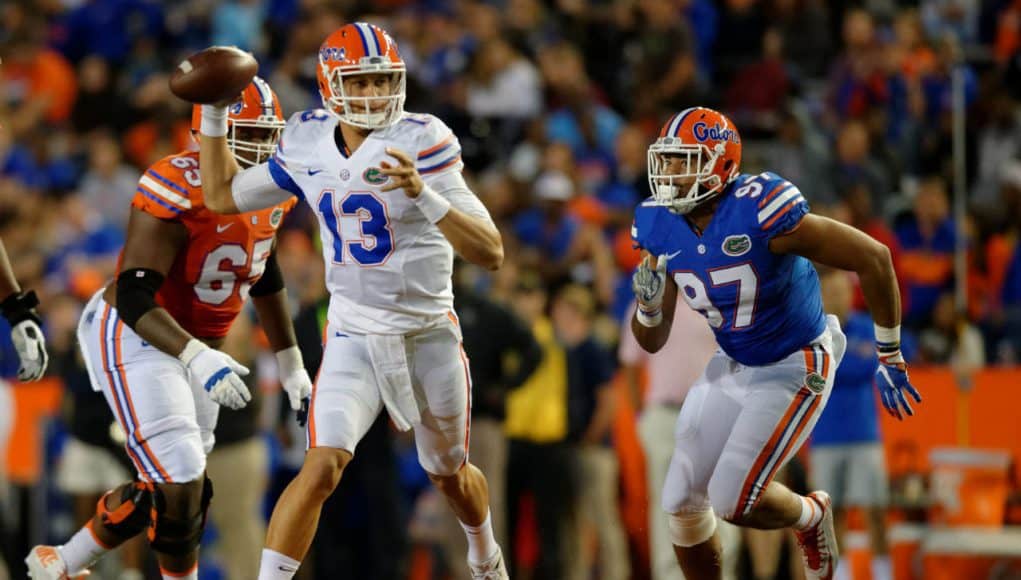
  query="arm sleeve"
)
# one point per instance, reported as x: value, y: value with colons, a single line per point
x: 262, y: 186
x: 452, y: 186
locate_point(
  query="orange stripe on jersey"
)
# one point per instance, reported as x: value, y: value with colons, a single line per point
x: 772, y: 193
x: 164, y: 189
x: 780, y: 213
x: 451, y: 162
x: 436, y: 147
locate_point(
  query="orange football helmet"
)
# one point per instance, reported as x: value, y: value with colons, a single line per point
x: 254, y: 123
x: 711, y: 145
x: 361, y: 48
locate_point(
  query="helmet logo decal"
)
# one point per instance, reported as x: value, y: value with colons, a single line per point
x: 329, y: 53
x: 716, y: 133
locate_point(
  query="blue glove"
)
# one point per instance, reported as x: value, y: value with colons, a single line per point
x: 892, y: 382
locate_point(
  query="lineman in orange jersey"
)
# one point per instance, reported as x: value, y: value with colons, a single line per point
x: 150, y: 343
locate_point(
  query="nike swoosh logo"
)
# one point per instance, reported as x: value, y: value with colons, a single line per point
x: 672, y: 256
x: 314, y: 171
x: 220, y: 228
x: 286, y: 569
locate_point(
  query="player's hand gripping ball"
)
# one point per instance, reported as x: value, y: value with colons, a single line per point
x: 214, y: 75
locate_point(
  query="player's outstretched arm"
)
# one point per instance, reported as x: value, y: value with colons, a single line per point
x: 270, y: 300
x: 149, y: 252
x: 835, y: 244
x: 472, y: 235
x: 19, y: 309
x: 656, y: 293
x: 216, y: 162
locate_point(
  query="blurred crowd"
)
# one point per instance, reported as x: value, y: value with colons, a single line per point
x: 555, y: 103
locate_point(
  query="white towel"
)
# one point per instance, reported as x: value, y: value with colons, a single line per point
x: 391, y: 365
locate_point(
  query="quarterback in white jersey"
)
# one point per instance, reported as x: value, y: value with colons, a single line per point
x: 388, y: 267
x: 392, y: 206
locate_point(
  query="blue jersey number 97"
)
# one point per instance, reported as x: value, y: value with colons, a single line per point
x: 375, y: 241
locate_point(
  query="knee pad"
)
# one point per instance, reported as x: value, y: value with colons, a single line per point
x: 178, y: 536
x: 444, y: 464
x: 133, y: 514
x: 691, y: 528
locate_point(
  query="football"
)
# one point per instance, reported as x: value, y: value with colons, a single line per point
x: 215, y: 74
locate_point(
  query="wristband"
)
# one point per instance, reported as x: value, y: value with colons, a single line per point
x: 214, y: 121
x: 887, y: 338
x: 289, y: 360
x: 191, y: 350
x: 433, y: 205
x: 19, y: 307
x: 651, y: 318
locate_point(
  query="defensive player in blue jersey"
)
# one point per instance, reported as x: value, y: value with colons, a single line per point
x: 739, y: 250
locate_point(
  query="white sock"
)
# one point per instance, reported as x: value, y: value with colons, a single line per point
x: 481, y: 543
x: 192, y: 574
x: 881, y: 568
x: 811, y: 514
x: 276, y: 566
x: 82, y: 550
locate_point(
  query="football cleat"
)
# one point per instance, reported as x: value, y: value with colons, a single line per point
x: 46, y: 563
x: 819, y: 542
x: 493, y: 569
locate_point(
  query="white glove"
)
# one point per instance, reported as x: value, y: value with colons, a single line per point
x: 293, y: 376
x: 217, y: 373
x: 649, y: 285
x: 31, y: 346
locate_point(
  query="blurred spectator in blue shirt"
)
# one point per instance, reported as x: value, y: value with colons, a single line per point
x: 239, y: 23
x: 927, y: 242
x: 109, y: 28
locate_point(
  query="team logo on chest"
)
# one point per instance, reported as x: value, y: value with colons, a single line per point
x: 276, y: 216
x: 737, y: 245
x: 372, y: 176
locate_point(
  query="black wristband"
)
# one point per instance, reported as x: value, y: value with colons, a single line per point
x: 19, y: 307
